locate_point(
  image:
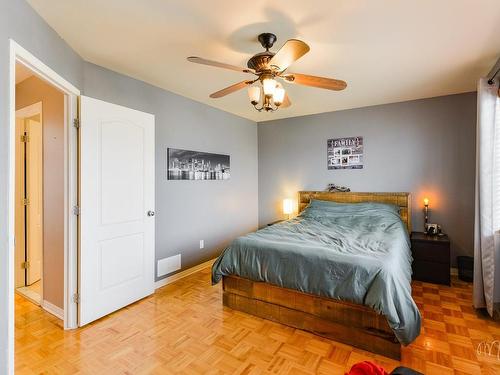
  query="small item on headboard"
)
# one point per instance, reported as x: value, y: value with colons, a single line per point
x: 336, y: 188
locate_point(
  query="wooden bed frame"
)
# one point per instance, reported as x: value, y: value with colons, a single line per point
x: 349, y: 323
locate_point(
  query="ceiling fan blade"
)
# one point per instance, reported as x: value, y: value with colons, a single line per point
x: 199, y: 60
x: 291, y: 51
x: 230, y: 89
x: 321, y: 82
x: 286, y: 102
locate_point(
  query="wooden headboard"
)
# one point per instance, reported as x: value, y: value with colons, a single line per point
x: 402, y: 200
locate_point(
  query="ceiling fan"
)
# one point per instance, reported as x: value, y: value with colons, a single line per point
x: 269, y: 95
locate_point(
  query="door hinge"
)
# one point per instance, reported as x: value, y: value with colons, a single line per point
x: 76, y: 123
x: 25, y: 138
x: 76, y: 210
x: 26, y: 201
x: 76, y: 298
x: 25, y: 265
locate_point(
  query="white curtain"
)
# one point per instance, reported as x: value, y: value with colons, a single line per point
x: 487, y: 220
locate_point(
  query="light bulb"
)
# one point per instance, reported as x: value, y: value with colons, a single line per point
x: 269, y: 86
x: 279, y: 96
x: 426, y: 201
x: 254, y: 94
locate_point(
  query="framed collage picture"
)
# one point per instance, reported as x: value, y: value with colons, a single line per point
x: 345, y: 153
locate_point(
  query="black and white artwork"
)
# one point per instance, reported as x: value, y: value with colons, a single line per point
x: 196, y: 165
x: 345, y: 153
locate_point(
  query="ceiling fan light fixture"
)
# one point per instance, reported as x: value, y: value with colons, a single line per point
x: 267, y: 94
x: 254, y: 94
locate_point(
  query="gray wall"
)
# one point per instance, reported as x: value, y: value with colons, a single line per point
x: 426, y: 147
x: 20, y: 22
x: 186, y: 211
x: 189, y: 211
x: 434, y: 141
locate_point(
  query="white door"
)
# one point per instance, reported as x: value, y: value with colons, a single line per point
x: 117, y: 223
x: 34, y: 192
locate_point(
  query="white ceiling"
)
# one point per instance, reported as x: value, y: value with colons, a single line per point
x: 386, y: 50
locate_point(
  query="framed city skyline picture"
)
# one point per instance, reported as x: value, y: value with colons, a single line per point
x: 197, y: 165
x: 345, y: 153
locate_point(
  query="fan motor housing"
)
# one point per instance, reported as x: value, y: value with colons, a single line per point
x: 260, y: 61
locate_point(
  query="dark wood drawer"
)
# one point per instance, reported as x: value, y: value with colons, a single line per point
x: 432, y: 252
x: 432, y: 272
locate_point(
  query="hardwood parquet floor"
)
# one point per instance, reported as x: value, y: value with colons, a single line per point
x: 183, y: 328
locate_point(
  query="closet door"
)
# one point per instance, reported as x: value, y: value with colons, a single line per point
x: 34, y: 190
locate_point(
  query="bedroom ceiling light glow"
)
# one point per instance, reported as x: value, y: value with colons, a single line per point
x: 272, y: 98
x: 279, y: 95
x: 254, y: 94
x: 268, y: 85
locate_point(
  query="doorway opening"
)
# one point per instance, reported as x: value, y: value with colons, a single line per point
x: 39, y: 189
x: 67, y: 190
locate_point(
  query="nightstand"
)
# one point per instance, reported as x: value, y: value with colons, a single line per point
x: 431, y: 258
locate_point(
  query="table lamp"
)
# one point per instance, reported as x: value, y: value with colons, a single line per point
x: 287, y: 207
x: 426, y: 213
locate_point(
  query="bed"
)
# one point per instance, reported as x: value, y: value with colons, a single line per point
x: 341, y: 271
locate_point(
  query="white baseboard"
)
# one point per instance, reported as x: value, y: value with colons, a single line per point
x: 53, y: 309
x: 183, y: 274
x: 30, y: 295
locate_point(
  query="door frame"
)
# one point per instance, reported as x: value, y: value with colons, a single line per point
x: 26, y: 112
x: 17, y: 54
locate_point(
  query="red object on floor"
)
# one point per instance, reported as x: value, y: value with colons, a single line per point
x: 367, y: 368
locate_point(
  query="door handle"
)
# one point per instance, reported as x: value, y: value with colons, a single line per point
x: 151, y: 213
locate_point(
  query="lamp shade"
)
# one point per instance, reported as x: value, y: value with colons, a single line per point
x: 279, y: 95
x: 287, y: 206
x: 268, y: 86
x: 254, y: 94
x: 426, y: 201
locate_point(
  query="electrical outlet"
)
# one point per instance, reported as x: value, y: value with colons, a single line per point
x: 202, y: 244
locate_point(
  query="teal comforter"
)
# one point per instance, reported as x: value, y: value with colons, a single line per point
x: 353, y: 252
